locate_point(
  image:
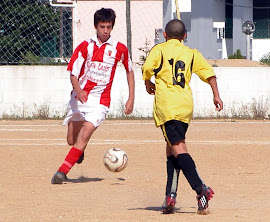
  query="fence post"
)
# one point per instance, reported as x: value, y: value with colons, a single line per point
x: 128, y: 24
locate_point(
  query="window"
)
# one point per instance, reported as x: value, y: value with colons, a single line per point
x: 229, y: 19
x: 261, y: 18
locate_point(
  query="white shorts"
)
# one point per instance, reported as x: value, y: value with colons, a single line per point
x: 83, y: 112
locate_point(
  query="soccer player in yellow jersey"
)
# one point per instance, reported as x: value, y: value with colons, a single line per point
x: 172, y: 64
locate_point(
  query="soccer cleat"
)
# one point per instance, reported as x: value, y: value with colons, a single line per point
x: 203, y: 198
x: 59, y: 178
x: 81, y: 158
x: 169, y: 203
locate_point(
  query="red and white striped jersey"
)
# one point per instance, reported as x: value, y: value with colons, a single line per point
x: 95, y: 65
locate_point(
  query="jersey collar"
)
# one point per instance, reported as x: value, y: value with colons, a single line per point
x: 175, y: 41
x: 95, y: 39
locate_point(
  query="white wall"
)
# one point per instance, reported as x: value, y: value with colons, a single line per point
x: 240, y: 89
x: 260, y: 47
x: 25, y: 90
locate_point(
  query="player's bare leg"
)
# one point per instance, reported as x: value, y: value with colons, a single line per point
x: 187, y: 165
x: 84, y: 135
x: 75, y: 152
x: 74, y: 128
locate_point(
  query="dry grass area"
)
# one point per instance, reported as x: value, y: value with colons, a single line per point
x: 235, y: 63
x: 231, y: 157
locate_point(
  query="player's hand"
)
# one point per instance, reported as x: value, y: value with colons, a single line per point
x: 150, y: 87
x: 218, y: 103
x: 129, y: 106
x: 82, y: 96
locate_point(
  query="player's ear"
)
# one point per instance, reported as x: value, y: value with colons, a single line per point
x: 185, y: 35
x: 165, y: 35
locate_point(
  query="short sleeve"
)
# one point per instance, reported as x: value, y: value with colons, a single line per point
x: 125, y: 58
x: 201, y: 67
x: 77, y: 59
x: 151, y: 63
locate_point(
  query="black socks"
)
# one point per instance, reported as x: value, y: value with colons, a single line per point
x: 187, y: 165
x: 172, y: 175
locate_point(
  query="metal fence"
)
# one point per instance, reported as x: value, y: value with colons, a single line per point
x: 33, y: 32
x: 46, y: 31
x: 262, y: 32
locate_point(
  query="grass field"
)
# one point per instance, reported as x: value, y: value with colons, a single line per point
x: 232, y: 157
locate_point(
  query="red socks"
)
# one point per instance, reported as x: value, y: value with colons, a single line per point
x: 72, y: 157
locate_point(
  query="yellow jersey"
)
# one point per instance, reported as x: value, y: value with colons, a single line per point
x: 172, y: 64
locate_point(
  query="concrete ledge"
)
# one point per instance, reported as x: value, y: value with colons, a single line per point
x: 25, y: 90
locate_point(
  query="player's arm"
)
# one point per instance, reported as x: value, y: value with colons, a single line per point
x: 131, y: 89
x: 80, y: 94
x: 217, y: 101
x: 74, y: 67
x: 152, y: 62
x: 201, y: 67
x: 206, y: 73
x: 150, y: 87
x: 126, y: 60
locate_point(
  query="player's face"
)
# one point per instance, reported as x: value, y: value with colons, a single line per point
x: 104, y: 31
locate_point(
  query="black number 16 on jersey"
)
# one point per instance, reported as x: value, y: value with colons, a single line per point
x: 178, y: 78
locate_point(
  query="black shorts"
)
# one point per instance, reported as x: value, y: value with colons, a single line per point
x: 174, y: 131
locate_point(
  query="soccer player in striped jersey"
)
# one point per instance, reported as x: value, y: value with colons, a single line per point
x: 92, y: 68
x: 172, y: 64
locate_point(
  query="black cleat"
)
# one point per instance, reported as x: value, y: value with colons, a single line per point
x: 59, y: 178
x: 203, y: 198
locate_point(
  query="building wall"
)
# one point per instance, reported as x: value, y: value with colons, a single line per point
x: 202, y: 35
x: 198, y: 16
x: 229, y: 46
x: 199, y: 21
x: 26, y: 90
x: 240, y: 15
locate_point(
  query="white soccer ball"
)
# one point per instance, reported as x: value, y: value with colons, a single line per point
x: 115, y: 160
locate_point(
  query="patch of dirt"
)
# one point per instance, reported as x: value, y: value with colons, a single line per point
x: 235, y: 63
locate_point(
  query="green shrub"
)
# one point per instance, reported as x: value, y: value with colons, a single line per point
x: 236, y: 55
x: 266, y: 59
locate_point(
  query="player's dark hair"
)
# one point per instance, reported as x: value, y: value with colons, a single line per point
x: 175, y: 29
x: 104, y: 15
